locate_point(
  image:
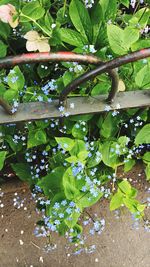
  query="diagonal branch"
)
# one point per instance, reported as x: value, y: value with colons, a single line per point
x: 105, y: 67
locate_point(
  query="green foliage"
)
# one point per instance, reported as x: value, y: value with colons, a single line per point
x: 127, y: 37
x: 16, y: 79
x: 126, y: 196
x: 71, y: 169
x: 2, y: 158
x: 3, y: 49
x: 81, y: 19
x: 23, y: 171
x: 52, y: 183
x: 32, y: 11
x: 143, y: 136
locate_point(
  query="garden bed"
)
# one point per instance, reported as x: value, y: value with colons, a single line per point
x: 118, y: 245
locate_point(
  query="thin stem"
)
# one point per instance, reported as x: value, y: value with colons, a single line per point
x: 36, y: 23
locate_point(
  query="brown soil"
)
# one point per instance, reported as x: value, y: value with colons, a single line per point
x: 119, y: 244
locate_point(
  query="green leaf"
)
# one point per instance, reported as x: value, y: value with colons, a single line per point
x: 116, y: 44
x: 3, y: 49
x: 147, y: 171
x: 140, y: 18
x: 131, y: 35
x: 52, y: 183
x: 36, y: 137
x: 16, y: 79
x: 140, y: 44
x: 129, y: 165
x: 87, y: 199
x: 66, y: 143
x: 133, y: 193
x: 109, y: 156
x: 32, y: 11
x: 131, y: 204
x: 79, y: 146
x: 16, y: 147
x: 73, y: 219
x: 40, y: 136
x: 146, y: 157
x: 43, y: 70
x: 72, y: 159
x: 100, y: 88
x: 81, y: 117
x: 23, y: 171
x: 79, y: 131
x: 96, y: 19
x: 110, y: 126
x: 125, y: 187
x: 67, y: 78
x: 2, y: 158
x: 143, y: 136
x: 125, y: 3
x: 72, y: 37
x: 10, y: 95
x: 142, y: 78
x: 116, y: 201
x: 81, y: 19
x: 69, y: 184
x: 109, y: 8
x: 96, y: 157
x: 46, y: 3
x: 4, y: 30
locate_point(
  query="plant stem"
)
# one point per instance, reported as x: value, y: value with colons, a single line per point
x: 36, y: 23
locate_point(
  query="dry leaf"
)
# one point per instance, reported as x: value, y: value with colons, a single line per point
x: 121, y: 86
x: 36, y: 42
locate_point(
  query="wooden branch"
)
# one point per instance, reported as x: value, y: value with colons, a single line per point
x: 82, y: 105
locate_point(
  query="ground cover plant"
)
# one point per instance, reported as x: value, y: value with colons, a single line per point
x: 70, y: 168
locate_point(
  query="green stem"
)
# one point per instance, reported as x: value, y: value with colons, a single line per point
x: 65, y: 2
x: 36, y: 23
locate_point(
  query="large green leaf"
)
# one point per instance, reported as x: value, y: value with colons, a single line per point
x: 16, y: 79
x: 36, y: 137
x: 109, y: 156
x: 126, y: 3
x: 81, y: 19
x: 143, y: 137
x: 116, y: 201
x: 72, y: 37
x: 87, y: 199
x: 3, y: 49
x: 52, y: 183
x: 66, y: 143
x: 69, y: 184
x: 147, y: 171
x: 79, y: 131
x: 23, y: 171
x: 4, y: 30
x: 10, y: 95
x: 131, y: 35
x: 116, y: 39
x: 2, y: 158
x: 109, y: 8
x: 96, y: 18
x: 109, y: 126
x: 73, y: 219
x: 140, y: 18
x: 127, y: 37
x: 146, y: 157
x: 142, y: 78
x: 32, y: 11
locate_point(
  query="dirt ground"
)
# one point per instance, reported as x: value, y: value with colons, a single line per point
x: 119, y: 245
